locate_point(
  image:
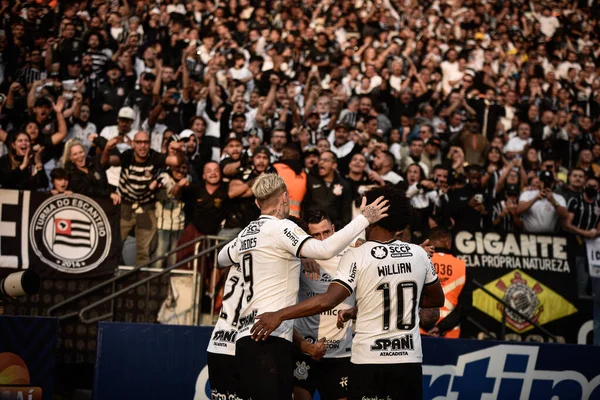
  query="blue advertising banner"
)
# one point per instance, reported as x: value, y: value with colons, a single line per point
x: 27, y: 357
x: 160, y: 362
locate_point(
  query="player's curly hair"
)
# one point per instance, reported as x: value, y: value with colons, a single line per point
x: 400, y: 211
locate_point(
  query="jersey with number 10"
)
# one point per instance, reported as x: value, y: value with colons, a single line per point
x: 388, y: 279
x: 268, y: 250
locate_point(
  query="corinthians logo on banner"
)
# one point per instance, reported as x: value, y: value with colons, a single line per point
x: 524, y: 293
x: 70, y: 233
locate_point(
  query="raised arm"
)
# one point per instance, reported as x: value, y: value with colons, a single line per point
x: 62, y: 123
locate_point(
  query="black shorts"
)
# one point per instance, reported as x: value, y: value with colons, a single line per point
x: 224, y: 376
x: 329, y: 376
x: 266, y: 368
x: 386, y: 381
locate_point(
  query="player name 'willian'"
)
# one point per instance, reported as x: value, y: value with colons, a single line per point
x: 394, y: 269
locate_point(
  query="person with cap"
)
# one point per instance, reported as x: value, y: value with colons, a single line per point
x: 310, y: 158
x: 197, y: 154
x: 232, y: 160
x: 243, y: 208
x: 111, y: 95
x: 237, y: 125
x: 123, y: 131
x: 142, y: 100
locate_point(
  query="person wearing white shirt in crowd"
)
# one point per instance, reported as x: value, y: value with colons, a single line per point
x: 517, y: 144
x: 450, y: 71
x: 541, y: 210
x: 549, y: 23
x: 83, y: 128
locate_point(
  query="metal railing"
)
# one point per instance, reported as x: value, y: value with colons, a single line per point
x: 129, y: 271
x: 508, y: 306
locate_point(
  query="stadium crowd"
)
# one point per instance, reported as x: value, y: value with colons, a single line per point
x: 486, y: 112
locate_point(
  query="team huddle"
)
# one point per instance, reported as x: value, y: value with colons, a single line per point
x: 283, y: 334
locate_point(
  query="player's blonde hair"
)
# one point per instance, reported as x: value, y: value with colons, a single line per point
x: 268, y: 186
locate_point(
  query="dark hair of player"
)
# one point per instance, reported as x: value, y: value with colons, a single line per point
x: 400, y: 211
x: 316, y: 216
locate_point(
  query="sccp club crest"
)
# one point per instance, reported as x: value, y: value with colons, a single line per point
x: 523, y: 298
x: 70, y: 233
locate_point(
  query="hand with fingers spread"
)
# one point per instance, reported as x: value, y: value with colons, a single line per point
x: 376, y: 210
x: 265, y: 325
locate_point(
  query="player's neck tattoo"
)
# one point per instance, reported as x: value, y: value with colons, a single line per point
x: 277, y: 212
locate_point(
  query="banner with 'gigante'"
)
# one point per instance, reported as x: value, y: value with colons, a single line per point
x: 61, y: 236
x: 532, y: 273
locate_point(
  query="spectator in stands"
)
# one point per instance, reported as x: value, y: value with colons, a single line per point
x: 383, y: 169
x: 467, y: 204
x: 137, y: 188
x: 207, y: 202
x: 327, y: 190
x: 575, y: 185
x: 243, y: 208
x: 22, y: 167
x: 292, y: 172
x: 453, y: 275
x: 541, y: 209
x: 87, y: 175
x: 170, y: 217
x: 59, y: 178
x: 583, y: 222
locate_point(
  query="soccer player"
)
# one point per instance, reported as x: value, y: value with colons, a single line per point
x: 390, y: 279
x: 268, y: 252
x: 330, y: 375
x: 223, y: 373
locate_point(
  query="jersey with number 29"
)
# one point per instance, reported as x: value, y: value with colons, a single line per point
x: 268, y: 250
x: 388, y: 279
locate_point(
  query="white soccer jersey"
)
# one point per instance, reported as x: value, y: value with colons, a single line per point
x: 222, y: 340
x: 267, y: 250
x: 388, y: 279
x: 339, y: 341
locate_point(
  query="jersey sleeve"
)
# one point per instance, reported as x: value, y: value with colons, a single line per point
x: 346, y: 271
x: 291, y: 237
x: 228, y: 255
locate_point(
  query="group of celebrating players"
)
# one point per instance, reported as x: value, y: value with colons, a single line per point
x: 283, y: 334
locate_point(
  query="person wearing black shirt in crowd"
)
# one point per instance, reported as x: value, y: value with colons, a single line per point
x: 583, y: 222
x: 22, y: 167
x: 327, y: 190
x: 243, y: 208
x: 207, y: 202
x: 467, y: 206
x: 504, y: 211
x: 87, y: 176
